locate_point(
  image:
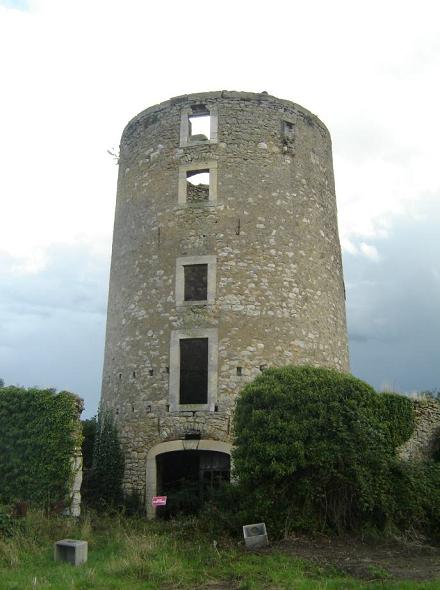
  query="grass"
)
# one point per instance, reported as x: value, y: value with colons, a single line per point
x: 133, y: 554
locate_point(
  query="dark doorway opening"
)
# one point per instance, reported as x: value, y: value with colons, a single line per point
x: 188, y: 478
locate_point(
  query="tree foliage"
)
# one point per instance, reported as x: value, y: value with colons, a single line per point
x: 103, y: 486
x: 89, y: 433
x: 38, y: 435
x: 314, y: 447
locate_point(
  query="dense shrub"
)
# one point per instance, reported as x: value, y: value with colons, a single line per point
x: 38, y: 434
x: 314, y: 448
x: 397, y: 412
x: 7, y: 523
x: 415, y: 497
x: 102, y: 487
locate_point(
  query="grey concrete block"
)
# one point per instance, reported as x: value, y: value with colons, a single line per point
x: 255, y: 535
x: 71, y: 550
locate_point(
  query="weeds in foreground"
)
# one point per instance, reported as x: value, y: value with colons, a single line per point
x: 137, y: 555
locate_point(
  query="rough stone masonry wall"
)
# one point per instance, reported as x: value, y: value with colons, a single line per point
x: 426, y: 436
x: 279, y: 295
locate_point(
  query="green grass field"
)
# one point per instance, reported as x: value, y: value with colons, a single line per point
x: 132, y: 554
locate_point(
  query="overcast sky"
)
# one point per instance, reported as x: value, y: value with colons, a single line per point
x: 74, y: 73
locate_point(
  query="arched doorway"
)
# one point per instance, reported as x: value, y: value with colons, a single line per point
x: 185, y: 471
x: 188, y: 478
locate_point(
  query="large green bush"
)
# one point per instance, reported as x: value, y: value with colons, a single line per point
x: 314, y: 448
x: 38, y: 434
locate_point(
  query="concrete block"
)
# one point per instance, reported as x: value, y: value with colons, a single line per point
x: 71, y: 550
x: 255, y: 535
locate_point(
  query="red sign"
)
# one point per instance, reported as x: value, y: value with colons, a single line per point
x: 159, y: 501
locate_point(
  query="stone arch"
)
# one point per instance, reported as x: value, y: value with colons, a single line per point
x: 168, y: 447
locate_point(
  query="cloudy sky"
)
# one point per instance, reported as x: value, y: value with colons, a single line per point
x: 74, y: 72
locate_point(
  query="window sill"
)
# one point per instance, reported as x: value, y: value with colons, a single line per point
x: 199, y: 205
x: 192, y: 408
x: 201, y: 142
x: 195, y: 303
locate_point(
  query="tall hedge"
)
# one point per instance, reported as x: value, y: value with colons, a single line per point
x: 314, y: 448
x: 38, y: 434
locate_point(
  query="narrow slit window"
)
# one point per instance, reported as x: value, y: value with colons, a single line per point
x: 288, y: 130
x: 196, y: 282
x: 197, y: 185
x: 193, y: 370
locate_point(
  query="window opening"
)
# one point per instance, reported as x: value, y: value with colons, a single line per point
x: 195, y: 282
x: 197, y: 185
x: 194, y: 370
x: 239, y: 371
x: 199, y: 128
x: 199, y: 124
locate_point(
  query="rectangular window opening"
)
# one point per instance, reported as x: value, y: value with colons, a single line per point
x: 199, y: 124
x: 194, y: 370
x: 195, y: 282
x: 197, y: 185
x: 288, y: 130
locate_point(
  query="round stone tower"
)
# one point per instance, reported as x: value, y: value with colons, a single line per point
x: 226, y: 260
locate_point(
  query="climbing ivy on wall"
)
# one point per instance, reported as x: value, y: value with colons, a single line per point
x: 39, y: 431
x: 398, y: 416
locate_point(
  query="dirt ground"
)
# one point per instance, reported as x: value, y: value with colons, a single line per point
x: 368, y: 560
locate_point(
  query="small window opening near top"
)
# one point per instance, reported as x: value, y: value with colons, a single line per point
x: 197, y: 185
x: 195, y: 282
x: 199, y: 124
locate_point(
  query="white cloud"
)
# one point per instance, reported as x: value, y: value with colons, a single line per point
x: 369, y: 251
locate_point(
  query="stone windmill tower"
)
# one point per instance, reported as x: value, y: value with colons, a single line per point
x: 226, y: 260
